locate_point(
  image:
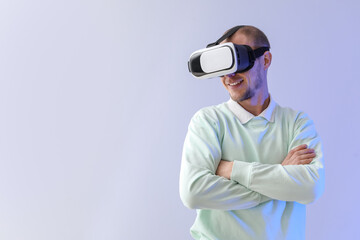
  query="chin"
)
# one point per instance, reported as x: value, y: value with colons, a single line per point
x: 236, y: 98
x: 241, y: 98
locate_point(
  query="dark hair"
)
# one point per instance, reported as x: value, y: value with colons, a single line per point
x: 257, y: 36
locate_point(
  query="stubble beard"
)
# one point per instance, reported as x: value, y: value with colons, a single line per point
x: 250, y: 92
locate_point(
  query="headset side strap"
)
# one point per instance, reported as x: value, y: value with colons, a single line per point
x: 260, y: 51
x: 225, y: 36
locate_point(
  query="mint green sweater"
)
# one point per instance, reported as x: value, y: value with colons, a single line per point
x: 263, y: 199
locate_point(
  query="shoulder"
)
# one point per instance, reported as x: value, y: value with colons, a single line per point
x: 212, y: 116
x: 297, y: 120
x: 212, y: 113
x: 292, y: 115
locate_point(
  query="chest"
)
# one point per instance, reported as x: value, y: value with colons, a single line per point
x: 256, y: 141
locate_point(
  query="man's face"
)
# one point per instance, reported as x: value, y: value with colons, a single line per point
x: 243, y: 86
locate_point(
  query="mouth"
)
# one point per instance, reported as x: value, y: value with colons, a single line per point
x: 235, y: 83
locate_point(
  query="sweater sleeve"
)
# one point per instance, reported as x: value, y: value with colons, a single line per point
x: 300, y: 183
x: 200, y: 188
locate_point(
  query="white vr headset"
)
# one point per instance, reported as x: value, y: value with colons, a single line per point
x: 222, y: 59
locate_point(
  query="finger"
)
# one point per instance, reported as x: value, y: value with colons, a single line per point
x: 304, y: 151
x: 306, y: 161
x: 302, y: 146
x: 296, y: 149
x: 306, y: 156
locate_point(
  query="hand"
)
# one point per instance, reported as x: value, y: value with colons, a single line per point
x: 299, y: 156
x: 224, y: 169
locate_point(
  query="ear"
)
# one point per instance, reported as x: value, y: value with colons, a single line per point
x: 267, y: 60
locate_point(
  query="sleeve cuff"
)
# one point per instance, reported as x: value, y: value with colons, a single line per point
x: 241, y: 172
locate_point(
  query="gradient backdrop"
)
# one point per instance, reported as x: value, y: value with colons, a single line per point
x: 95, y: 99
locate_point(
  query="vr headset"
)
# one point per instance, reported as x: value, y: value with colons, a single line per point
x: 222, y: 59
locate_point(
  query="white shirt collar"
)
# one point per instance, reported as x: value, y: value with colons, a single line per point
x: 244, y: 116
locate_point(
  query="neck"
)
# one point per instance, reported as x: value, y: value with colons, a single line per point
x: 256, y: 104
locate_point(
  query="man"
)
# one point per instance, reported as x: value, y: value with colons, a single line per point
x: 249, y: 166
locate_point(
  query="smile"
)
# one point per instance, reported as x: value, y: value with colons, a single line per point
x: 235, y: 83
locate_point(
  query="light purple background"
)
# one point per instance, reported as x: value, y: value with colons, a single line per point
x: 95, y: 99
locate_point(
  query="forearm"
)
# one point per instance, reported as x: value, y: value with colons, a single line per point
x: 201, y: 189
x: 300, y: 183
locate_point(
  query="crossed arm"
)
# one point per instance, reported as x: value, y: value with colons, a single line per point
x: 297, y: 178
x: 300, y: 155
x: 207, y: 182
